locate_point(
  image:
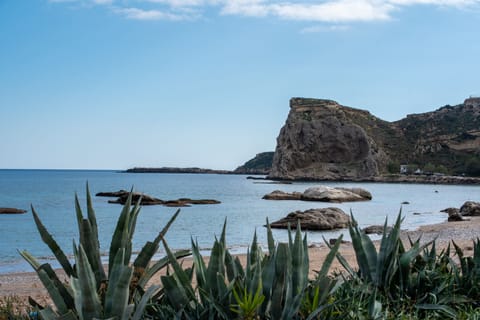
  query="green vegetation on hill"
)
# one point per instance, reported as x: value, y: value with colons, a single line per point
x: 261, y: 164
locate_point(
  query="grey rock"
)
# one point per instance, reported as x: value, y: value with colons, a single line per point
x: 320, y: 141
x: 470, y: 208
x: 145, y: 200
x: 376, y: 229
x: 323, y: 194
x: 119, y: 193
x: 328, y: 194
x: 280, y: 195
x: 315, y: 219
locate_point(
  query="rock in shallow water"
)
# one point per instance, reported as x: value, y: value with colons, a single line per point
x: 470, y: 208
x: 323, y: 194
x: 11, y: 211
x: 315, y: 219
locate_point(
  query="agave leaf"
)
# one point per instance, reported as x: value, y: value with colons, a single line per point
x: 341, y: 259
x: 118, y: 289
x: 79, y: 215
x: 87, y: 301
x: 92, y: 218
x: 30, y: 259
x: 299, y: 268
x: 199, y: 265
x: 363, y: 255
x: 159, y: 265
x: 182, y: 278
x: 142, y: 304
x: 92, y: 251
x: 55, y: 288
x: 282, y: 260
x: 175, y: 292
x: 53, y: 291
x: 120, y: 235
x: 445, y: 310
x: 52, y: 244
x: 48, y: 314
x: 232, y: 267
x: 270, y: 240
x: 150, y: 248
x: 215, y: 266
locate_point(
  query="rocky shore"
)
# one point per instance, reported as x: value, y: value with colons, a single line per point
x: 463, y: 233
x: 397, y: 178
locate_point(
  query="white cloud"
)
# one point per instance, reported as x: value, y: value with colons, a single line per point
x: 335, y: 11
x: 328, y: 11
x: 251, y: 8
x: 140, y: 14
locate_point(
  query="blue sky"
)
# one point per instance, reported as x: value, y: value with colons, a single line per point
x: 112, y: 84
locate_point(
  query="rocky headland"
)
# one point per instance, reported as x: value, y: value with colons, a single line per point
x: 323, y: 140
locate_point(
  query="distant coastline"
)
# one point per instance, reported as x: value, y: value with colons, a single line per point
x: 177, y: 170
x: 393, y: 178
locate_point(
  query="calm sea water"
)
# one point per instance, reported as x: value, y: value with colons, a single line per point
x: 52, y: 192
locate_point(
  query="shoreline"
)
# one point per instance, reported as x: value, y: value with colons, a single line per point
x: 390, y: 178
x: 25, y: 284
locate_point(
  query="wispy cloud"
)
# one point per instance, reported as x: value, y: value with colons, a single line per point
x: 140, y: 14
x: 325, y: 11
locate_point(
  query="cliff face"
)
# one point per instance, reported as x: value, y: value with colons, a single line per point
x: 323, y: 140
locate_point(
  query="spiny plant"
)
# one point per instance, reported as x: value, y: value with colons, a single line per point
x: 91, y: 293
x: 274, y: 285
x: 400, y: 278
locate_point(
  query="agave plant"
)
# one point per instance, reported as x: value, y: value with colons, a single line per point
x: 274, y: 285
x: 91, y: 293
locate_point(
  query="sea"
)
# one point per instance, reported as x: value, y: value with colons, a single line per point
x: 52, y: 192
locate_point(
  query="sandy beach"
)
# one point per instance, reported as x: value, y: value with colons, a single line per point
x: 27, y: 284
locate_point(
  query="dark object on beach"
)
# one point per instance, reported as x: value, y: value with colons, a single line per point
x: 375, y: 229
x: 333, y: 241
x: 470, y: 208
x: 315, y: 219
x: 12, y: 211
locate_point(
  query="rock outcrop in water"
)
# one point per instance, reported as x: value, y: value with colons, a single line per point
x: 11, y: 211
x: 323, y: 140
x: 146, y: 200
x: 314, y: 219
x: 322, y: 194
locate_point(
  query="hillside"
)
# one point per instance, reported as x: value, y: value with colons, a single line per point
x: 261, y: 164
x: 322, y: 139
